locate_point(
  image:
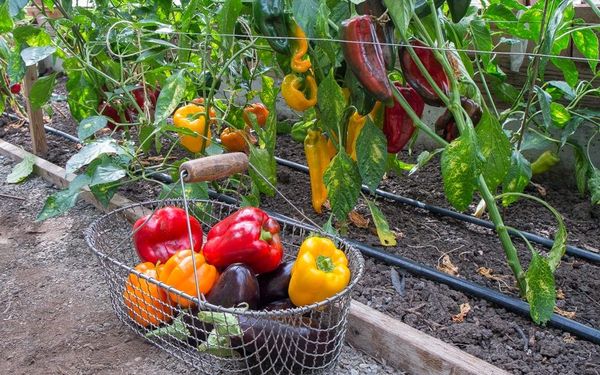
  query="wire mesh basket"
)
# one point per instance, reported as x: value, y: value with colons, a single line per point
x: 213, y: 339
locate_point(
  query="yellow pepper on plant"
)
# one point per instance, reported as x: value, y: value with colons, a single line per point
x: 355, y: 125
x: 319, y: 272
x: 300, y: 93
x: 300, y: 62
x: 193, y: 117
x: 319, y: 151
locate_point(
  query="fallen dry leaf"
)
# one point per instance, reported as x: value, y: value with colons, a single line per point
x: 446, y: 266
x: 566, y: 314
x: 358, y: 220
x: 560, y: 294
x: 540, y: 189
x: 464, y: 310
x: 488, y: 274
x: 567, y: 338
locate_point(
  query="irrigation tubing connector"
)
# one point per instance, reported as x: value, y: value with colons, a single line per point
x: 473, y: 289
x: 570, y: 250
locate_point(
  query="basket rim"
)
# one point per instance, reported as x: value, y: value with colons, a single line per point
x: 91, y: 230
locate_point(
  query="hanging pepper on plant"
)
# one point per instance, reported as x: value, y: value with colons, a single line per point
x: 544, y: 162
x: 300, y: 62
x: 385, y: 32
x: 273, y: 20
x: 355, y: 125
x: 299, y: 92
x: 193, y: 117
x: 319, y: 152
x: 398, y: 127
x: 365, y: 57
x: 445, y: 125
x: 237, y: 140
x: 415, y: 78
x: 248, y: 236
x: 259, y: 110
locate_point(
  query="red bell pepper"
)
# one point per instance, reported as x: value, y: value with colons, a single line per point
x: 159, y: 235
x: 248, y: 236
x: 398, y: 127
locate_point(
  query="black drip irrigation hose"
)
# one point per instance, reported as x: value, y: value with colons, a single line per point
x: 473, y: 289
x: 570, y: 250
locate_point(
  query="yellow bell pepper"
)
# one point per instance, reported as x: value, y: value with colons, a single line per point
x: 320, y: 271
x: 355, y: 125
x: 300, y: 63
x: 319, y: 151
x: 192, y: 117
x: 299, y: 93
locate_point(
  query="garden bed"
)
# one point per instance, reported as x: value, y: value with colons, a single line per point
x: 502, y: 338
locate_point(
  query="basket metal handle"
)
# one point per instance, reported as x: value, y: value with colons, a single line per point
x: 213, y: 167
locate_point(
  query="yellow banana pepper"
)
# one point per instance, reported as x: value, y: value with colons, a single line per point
x: 355, y: 125
x: 299, y: 93
x: 318, y: 155
x: 319, y: 272
x: 300, y: 63
x: 192, y: 117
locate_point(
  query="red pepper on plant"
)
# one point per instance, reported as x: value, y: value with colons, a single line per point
x: 248, y: 236
x: 15, y: 88
x: 415, y: 78
x: 398, y: 127
x: 365, y: 57
x: 159, y: 235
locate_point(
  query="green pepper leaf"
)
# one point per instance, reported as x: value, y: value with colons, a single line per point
x: 331, y: 103
x: 371, y: 153
x: 105, y: 170
x: 304, y: 14
x: 568, y: 68
x: 343, y: 184
x: 21, y: 170
x: 58, y: 203
x: 544, y: 99
x: 518, y: 176
x: 104, y: 192
x: 541, y: 292
x: 594, y: 185
x: 16, y: 67
x: 386, y: 236
x: 263, y: 170
x: 581, y: 169
x: 41, y: 90
x: 554, y: 24
x: 495, y: 147
x: 482, y: 39
x: 91, y: 151
x: 196, y: 190
x: 227, y: 17
x: 460, y: 169
x: 559, y: 114
x: 6, y: 22
x: 33, y: 55
x: 89, y: 126
x: 401, y: 13
x: 170, y: 97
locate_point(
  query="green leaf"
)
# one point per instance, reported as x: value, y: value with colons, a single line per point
x: 482, y: 38
x: 559, y: 114
x: 82, y: 94
x: 586, y: 41
x: 460, y: 169
x: 581, y: 169
x: 495, y: 147
x: 331, y: 103
x: 560, y: 243
x: 32, y: 36
x: 41, y: 90
x: 263, y: 170
x: 401, y: 13
x: 422, y: 160
x: 568, y: 68
x: 6, y: 22
x: 544, y: 99
x: 91, y: 151
x: 170, y: 97
x: 33, y: 55
x: 16, y: 67
x: 502, y: 17
x: 195, y: 190
x: 104, y: 172
x: 15, y: 6
x: 58, y: 203
x: 570, y: 129
x: 518, y: 176
x: 386, y: 236
x: 398, y: 166
x: 343, y: 184
x: 553, y: 26
x: 104, y: 192
x: 304, y: 14
x: 371, y: 153
x: 541, y: 292
x: 322, y: 32
x: 90, y: 126
x: 594, y: 185
x: 227, y: 18
x: 564, y: 87
x: 20, y: 171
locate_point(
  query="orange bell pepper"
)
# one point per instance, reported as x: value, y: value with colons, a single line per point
x: 147, y: 303
x: 237, y: 140
x: 259, y: 110
x: 178, y: 273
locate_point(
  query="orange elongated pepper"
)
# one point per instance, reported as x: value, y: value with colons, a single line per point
x: 319, y: 151
x: 300, y: 63
x: 299, y: 93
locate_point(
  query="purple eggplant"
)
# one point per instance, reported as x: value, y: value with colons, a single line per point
x: 281, y: 304
x: 274, y: 285
x: 236, y: 285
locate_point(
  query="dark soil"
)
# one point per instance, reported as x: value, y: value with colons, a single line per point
x: 509, y: 341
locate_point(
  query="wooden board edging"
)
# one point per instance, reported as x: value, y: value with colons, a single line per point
x: 369, y: 330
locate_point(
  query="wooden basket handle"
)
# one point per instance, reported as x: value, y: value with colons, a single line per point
x: 214, y: 167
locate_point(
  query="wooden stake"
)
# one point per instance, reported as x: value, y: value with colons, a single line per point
x: 36, y: 118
